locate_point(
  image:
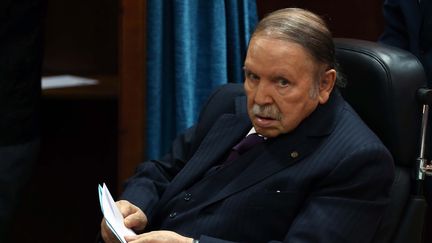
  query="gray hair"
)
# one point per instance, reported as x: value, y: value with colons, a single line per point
x: 304, y: 28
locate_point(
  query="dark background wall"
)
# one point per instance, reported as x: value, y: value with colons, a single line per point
x: 360, y: 19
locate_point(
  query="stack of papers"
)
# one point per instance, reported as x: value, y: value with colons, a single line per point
x: 113, y: 217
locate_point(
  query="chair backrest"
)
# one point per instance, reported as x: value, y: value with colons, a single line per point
x: 382, y: 82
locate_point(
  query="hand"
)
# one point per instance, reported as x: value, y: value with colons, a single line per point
x: 107, y: 234
x: 162, y: 236
x: 134, y: 218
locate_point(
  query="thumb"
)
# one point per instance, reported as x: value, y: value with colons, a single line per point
x: 135, y: 221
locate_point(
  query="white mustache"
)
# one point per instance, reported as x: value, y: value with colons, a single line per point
x: 267, y: 111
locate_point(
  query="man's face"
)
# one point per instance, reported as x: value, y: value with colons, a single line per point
x: 281, y: 85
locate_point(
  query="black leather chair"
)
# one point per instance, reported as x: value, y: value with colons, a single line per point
x: 382, y: 84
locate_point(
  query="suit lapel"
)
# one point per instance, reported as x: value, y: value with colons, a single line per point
x: 224, y: 134
x: 279, y: 153
x: 267, y: 159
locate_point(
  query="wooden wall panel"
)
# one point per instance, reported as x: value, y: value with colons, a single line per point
x: 81, y: 37
x: 132, y: 87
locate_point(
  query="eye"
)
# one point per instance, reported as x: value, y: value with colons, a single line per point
x: 251, y: 76
x: 283, y: 82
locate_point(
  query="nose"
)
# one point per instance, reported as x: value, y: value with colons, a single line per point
x: 263, y: 94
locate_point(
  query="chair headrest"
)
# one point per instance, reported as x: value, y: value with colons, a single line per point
x: 382, y: 82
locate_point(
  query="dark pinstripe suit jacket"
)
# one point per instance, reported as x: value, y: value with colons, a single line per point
x: 327, y: 181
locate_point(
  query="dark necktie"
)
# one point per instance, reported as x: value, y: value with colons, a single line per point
x: 245, y: 144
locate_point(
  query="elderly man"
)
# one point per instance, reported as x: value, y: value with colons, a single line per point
x: 315, y: 172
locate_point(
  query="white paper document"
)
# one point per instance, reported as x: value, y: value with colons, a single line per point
x: 66, y: 81
x: 113, y: 217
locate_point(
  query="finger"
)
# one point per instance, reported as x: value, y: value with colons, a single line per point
x: 131, y: 238
x: 134, y: 218
x: 126, y: 208
x: 137, y: 221
x: 103, y: 230
x: 141, y: 238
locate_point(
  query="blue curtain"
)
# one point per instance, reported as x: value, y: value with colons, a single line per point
x: 193, y: 46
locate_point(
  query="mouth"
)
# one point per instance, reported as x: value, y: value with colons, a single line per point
x: 262, y: 121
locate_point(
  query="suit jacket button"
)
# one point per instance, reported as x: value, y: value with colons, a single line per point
x: 187, y: 197
x: 173, y: 215
x: 294, y: 154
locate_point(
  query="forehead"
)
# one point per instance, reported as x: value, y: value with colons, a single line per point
x: 277, y: 54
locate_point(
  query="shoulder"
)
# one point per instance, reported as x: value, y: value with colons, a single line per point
x: 361, y: 149
x: 226, y: 99
x: 222, y: 99
x: 349, y: 124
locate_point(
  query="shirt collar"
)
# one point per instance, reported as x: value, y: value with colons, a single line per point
x: 252, y: 131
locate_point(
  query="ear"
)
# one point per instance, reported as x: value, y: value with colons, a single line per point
x: 327, y: 83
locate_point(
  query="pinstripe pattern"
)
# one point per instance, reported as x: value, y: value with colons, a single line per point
x: 328, y: 181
